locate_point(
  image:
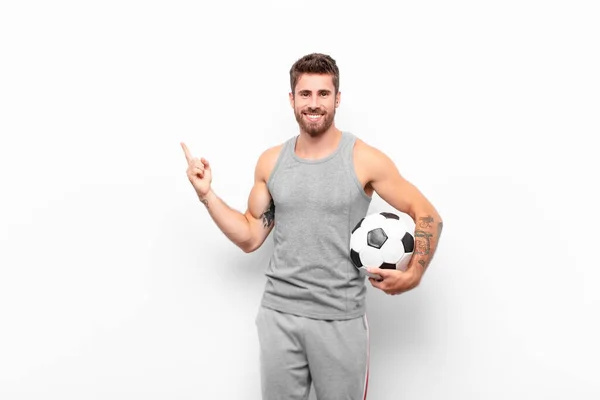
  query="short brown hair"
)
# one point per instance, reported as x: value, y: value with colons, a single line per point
x: 315, y: 63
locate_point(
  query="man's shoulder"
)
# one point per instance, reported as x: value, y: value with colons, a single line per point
x: 364, y: 152
x: 267, y: 160
x: 370, y: 160
x: 270, y: 155
x: 272, y: 151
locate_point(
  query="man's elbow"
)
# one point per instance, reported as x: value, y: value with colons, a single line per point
x: 247, y: 247
x: 249, y: 250
x: 250, y: 245
x: 426, y: 211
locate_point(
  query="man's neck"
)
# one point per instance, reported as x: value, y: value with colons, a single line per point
x: 318, y: 147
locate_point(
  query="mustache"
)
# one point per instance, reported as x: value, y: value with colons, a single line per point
x: 314, y: 111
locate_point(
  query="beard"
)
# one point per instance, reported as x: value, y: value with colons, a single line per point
x: 317, y: 128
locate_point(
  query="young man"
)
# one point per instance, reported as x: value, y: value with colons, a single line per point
x: 311, y: 191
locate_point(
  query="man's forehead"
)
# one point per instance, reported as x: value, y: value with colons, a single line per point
x: 315, y: 82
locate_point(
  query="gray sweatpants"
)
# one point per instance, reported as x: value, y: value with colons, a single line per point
x: 297, y: 351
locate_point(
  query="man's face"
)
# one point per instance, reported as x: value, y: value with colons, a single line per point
x: 314, y: 103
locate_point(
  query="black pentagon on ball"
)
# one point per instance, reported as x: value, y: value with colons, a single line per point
x: 389, y: 215
x: 355, y: 259
x: 388, y: 266
x: 376, y: 238
x: 358, y: 225
x: 409, y: 243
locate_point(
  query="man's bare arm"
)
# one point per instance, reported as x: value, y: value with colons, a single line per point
x: 406, y: 197
x: 247, y: 230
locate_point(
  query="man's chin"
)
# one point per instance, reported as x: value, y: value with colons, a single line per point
x: 314, y: 131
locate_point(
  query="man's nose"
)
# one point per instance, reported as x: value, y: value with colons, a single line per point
x: 314, y: 102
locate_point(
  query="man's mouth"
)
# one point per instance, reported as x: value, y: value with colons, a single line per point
x: 313, y: 117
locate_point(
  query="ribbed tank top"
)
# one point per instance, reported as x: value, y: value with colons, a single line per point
x: 317, y: 204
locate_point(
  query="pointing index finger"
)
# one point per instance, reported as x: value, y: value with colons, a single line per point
x: 186, y: 151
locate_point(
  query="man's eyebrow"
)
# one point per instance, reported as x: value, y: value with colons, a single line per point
x: 318, y: 90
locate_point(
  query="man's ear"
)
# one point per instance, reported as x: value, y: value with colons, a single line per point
x: 291, y: 99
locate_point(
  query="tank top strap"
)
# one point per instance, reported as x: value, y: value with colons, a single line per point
x: 284, y: 157
x: 347, y: 146
x: 290, y: 146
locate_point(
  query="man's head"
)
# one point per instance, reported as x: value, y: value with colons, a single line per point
x: 315, y: 94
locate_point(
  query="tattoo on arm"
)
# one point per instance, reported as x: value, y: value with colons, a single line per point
x: 426, y: 239
x: 425, y: 222
x: 422, y: 242
x: 205, y: 202
x: 268, y: 216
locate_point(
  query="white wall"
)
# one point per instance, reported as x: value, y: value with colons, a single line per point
x: 114, y: 282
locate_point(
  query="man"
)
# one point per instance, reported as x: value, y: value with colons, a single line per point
x: 311, y: 191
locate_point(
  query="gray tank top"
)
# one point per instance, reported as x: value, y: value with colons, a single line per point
x: 317, y: 204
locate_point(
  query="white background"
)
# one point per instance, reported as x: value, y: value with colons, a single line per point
x: 115, y: 283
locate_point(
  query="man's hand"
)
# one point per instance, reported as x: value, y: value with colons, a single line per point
x: 396, y: 281
x: 198, y: 172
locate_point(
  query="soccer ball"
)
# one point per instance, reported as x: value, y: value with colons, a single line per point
x: 381, y: 240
